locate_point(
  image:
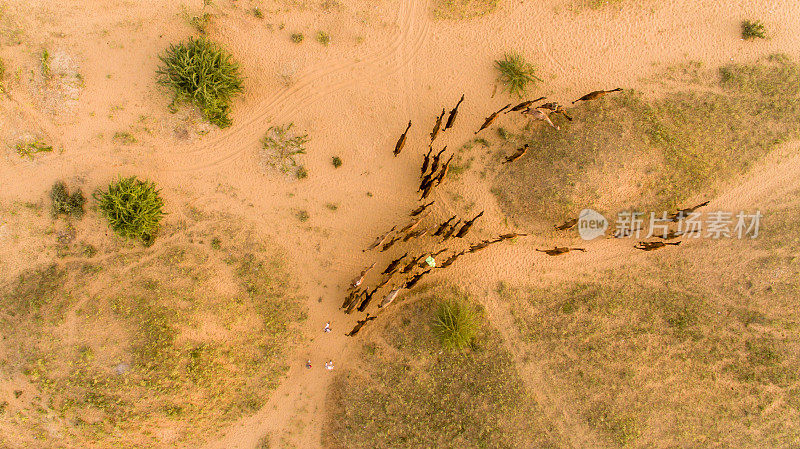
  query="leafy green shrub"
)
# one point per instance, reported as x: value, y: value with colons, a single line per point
x: 515, y: 73
x: 133, y: 208
x: 456, y: 323
x: 258, y: 13
x: 203, y: 74
x: 753, y: 29
x: 64, y: 203
x: 337, y: 161
x: 297, y: 38
x: 323, y: 38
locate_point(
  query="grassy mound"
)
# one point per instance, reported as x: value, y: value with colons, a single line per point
x: 132, y: 207
x: 630, y: 151
x: 753, y: 29
x: 155, y: 347
x: 707, y: 356
x: 202, y: 73
x: 456, y: 323
x: 515, y: 73
x: 279, y: 148
x: 408, y: 394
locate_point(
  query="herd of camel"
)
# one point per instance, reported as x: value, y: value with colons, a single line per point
x: 407, y: 270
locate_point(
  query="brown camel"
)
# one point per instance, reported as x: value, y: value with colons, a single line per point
x: 453, y: 113
x: 517, y: 154
x: 401, y: 142
x: 596, y: 94
x: 488, y: 121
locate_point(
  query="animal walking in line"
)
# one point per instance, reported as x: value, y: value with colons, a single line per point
x: 524, y: 105
x: 425, y: 163
x: 464, y: 229
x: 449, y: 233
x: 451, y: 259
x: 510, y: 236
x: 390, y: 297
x: 556, y: 108
x: 415, y: 234
x: 380, y: 240
x: 443, y: 226
x: 517, y: 154
x: 410, y: 266
x: 453, y: 113
x: 389, y: 244
x: 674, y: 234
x: 437, y: 126
x: 559, y: 250
x: 355, y: 302
x: 351, y: 297
x: 443, y: 172
x: 384, y: 281
x: 435, y: 161
x: 357, y: 281
x: 650, y: 246
x: 540, y: 114
x: 414, y: 279
x: 569, y: 224
x: 479, y: 246
x: 367, y: 298
x: 421, y: 209
x: 427, y: 191
x: 488, y: 121
x: 393, y: 264
x: 414, y: 223
x: 401, y: 142
x: 359, y: 325
x: 596, y: 94
x: 683, y: 213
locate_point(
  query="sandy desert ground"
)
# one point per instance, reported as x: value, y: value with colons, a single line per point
x: 689, y: 346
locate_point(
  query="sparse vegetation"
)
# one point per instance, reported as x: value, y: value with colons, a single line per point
x: 125, y: 137
x: 303, y: 216
x: 456, y: 323
x: 279, y: 148
x: 44, y: 64
x: 408, y: 393
x: 515, y: 73
x: 753, y: 29
x: 297, y: 37
x: 257, y: 13
x: 462, y: 9
x: 150, y: 345
x: 32, y: 147
x: 202, y: 73
x: 64, y: 203
x: 323, y: 38
x: 336, y: 161
x: 674, y: 146
x: 133, y: 208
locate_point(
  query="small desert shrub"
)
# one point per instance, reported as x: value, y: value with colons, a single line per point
x: 2, y: 75
x: 28, y: 149
x: 202, y: 73
x: 323, y: 38
x: 297, y: 38
x: 337, y: 161
x: 133, y: 208
x: 753, y: 29
x: 258, y: 13
x: 280, y: 146
x: 44, y: 60
x: 303, y: 216
x: 456, y: 323
x: 515, y: 73
x: 64, y: 203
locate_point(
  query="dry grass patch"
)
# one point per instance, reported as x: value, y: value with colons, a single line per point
x: 462, y: 9
x: 410, y: 393
x: 672, y: 147
x: 155, y: 346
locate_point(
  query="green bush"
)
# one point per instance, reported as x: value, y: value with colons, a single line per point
x: 337, y: 161
x: 29, y: 148
x: 133, y: 208
x: 515, y: 73
x: 456, y: 323
x: 753, y: 29
x: 64, y: 203
x: 297, y: 38
x: 323, y: 38
x: 203, y: 74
